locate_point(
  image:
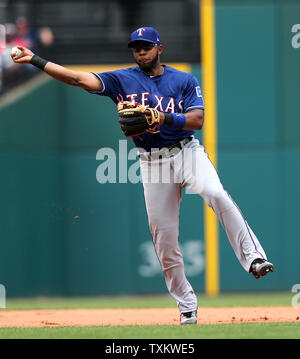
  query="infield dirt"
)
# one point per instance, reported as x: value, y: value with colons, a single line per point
x: 155, y: 316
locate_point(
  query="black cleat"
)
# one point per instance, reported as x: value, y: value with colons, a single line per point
x: 261, y: 267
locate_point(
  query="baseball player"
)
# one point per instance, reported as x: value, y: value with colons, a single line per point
x: 160, y: 108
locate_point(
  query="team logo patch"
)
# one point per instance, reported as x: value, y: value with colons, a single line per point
x: 198, y: 91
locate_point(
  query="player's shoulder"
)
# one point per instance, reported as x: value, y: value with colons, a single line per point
x: 175, y: 71
x: 185, y: 79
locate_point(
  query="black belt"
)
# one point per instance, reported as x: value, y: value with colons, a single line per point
x: 166, y: 152
x: 181, y: 143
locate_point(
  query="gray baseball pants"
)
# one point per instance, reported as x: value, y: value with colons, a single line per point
x: 163, y: 180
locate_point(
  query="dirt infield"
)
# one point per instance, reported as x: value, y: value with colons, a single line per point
x: 155, y: 316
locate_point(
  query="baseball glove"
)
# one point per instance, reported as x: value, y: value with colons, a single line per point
x: 136, y: 119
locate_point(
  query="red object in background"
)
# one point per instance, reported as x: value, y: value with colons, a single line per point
x: 19, y: 41
x: 2, y: 46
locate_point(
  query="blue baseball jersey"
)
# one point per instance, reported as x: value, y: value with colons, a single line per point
x: 173, y: 91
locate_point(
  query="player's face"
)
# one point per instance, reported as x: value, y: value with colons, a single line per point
x: 146, y: 55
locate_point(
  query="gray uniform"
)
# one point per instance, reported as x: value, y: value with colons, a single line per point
x: 164, y: 176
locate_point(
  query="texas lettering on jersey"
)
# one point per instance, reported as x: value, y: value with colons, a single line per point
x: 162, y: 104
x: 172, y: 92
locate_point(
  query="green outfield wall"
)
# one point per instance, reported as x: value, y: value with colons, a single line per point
x: 64, y: 233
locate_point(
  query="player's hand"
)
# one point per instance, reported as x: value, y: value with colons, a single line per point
x: 149, y: 116
x: 24, y: 57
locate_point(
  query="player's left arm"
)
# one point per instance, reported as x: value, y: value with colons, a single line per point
x: 193, y: 105
x: 194, y: 119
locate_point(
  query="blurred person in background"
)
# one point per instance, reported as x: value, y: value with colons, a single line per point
x: 10, y: 70
x: 2, y: 47
x: 21, y: 34
x: 10, y: 33
x: 32, y: 39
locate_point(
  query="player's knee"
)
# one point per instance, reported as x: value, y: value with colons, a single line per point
x: 169, y: 258
x: 159, y: 224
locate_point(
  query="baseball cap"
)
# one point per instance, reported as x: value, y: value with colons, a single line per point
x: 148, y: 34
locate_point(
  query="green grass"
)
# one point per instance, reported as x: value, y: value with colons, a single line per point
x: 151, y: 301
x: 217, y: 331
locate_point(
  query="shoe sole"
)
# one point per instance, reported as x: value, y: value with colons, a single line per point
x: 188, y: 322
x: 264, y: 270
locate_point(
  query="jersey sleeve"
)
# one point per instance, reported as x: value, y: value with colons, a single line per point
x: 192, y: 95
x: 110, y: 84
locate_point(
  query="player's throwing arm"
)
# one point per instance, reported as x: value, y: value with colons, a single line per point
x: 87, y: 81
x: 84, y: 80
